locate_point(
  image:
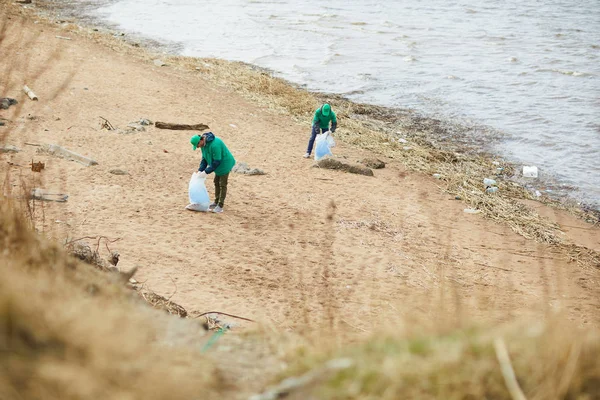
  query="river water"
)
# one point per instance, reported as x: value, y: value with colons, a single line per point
x: 527, y: 69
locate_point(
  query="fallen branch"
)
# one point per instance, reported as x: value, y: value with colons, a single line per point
x: 222, y: 313
x: 180, y: 127
x: 106, y: 125
x: 30, y: 93
x: 67, y: 154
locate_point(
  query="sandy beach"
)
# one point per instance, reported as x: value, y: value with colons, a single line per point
x: 295, y: 246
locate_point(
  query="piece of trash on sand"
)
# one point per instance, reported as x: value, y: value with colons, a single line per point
x: 530, y: 171
x: 437, y: 176
x: 41, y: 194
x: 29, y: 93
x: 471, y: 211
x: 492, y: 189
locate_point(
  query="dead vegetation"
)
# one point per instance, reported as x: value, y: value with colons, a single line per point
x: 545, y: 361
x: 68, y: 331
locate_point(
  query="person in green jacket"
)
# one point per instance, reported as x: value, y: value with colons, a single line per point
x: 216, y: 158
x: 323, y: 116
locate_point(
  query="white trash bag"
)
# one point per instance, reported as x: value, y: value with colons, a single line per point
x: 199, y: 200
x: 323, y: 145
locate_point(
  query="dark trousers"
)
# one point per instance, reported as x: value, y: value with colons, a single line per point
x: 313, y: 136
x: 221, y: 189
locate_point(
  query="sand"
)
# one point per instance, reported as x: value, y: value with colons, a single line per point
x: 295, y: 248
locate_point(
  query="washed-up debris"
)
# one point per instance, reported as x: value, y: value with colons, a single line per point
x: 29, y: 93
x: 144, y: 122
x: 471, y: 211
x: 9, y: 149
x: 242, y: 168
x: 437, y: 176
x: 180, y: 127
x: 6, y: 102
x: 374, y: 163
x: 37, y: 166
x: 105, y: 124
x: 41, y: 194
x: 118, y: 172
x: 135, y: 127
x: 61, y: 152
x: 162, y: 303
x: 530, y: 171
x: 63, y: 37
x: 330, y: 163
x: 159, y: 63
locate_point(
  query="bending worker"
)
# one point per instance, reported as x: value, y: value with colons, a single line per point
x: 323, y: 116
x: 216, y: 158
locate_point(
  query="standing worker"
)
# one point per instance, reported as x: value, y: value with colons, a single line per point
x: 323, y: 116
x: 216, y: 158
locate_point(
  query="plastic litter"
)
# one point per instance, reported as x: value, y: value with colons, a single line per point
x: 530, y: 171
x: 492, y: 189
x: 323, y: 145
x: 471, y: 211
x: 199, y: 200
x: 489, y: 182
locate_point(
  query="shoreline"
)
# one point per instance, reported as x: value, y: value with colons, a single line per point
x: 390, y: 126
x: 443, y: 135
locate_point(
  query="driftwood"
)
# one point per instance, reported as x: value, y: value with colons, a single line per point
x: 30, y: 93
x: 41, y: 194
x: 66, y: 154
x: 180, y: 127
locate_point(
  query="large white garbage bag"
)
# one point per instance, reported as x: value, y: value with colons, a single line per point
x: 323, y: 145
x: 199, y: 200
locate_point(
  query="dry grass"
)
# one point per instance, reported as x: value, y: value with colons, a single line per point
x: 68, y: 331
x: 550, y: 361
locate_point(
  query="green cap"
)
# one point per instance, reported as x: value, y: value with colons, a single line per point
x: 195, y: 140
x: 326, y: 109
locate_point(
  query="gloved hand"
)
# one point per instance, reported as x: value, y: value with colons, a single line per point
x: 202, y: 174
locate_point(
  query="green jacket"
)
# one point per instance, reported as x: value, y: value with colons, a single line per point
x: 322, y: 120
x: 215, y: 150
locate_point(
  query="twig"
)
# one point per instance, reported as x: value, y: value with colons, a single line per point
x: 174, y: 283
x: 32, y: 144
x: 507, y: 370
x: 106, y: 124
x: 222, y: 313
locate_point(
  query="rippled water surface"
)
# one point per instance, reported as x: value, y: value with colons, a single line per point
x: 529, y: 69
